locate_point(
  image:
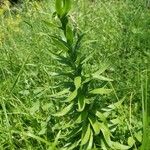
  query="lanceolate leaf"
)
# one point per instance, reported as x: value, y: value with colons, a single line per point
x: 87, y: 58
x: 85, y: 134
x: 64, y: 111
x: 77, y: 45
x: 81, y: 117
x: 61, y: 59
x: 81, y: 103
x: 90, y: 144
x: 131, y: 141
x: 59, y: 42
x: 100, y: 116
x: 95, y: 124
x: 69, y: 35
x: 118, y: 146
x: 101, y: 70
x: 61, y: 93
x: 67, y: 6
x: 106, y: 133
x: 117, y: 104
x: 100, y: 91
x: 59, y: 7
x: 72, y: 96
x: 104, y: 145
x: 99, y: 77
x: 77, y: 82
x: 50, y: 24
x: 74, y: 132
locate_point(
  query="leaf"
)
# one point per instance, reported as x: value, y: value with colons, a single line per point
x: 67, y: 6
x: 100, y: 77
x: 100, y: 91
x: 101, y: 70
x: 106, y: 133
x: 61, y: 43
x: 50, y: 24
x: 36, y: 107
x: 95, y: 124
x: 25, y: 92
x: 86, y: 131
x: 138, y: 136
x: 72, y: 96
x: 100, y: 116
x: 73, y: 133
x: 86, y: 58
x: 86, y: 80
x: 59, y: 7
x: 43, y: 128
x: 103, y: 145
x: 117, y: 104
x: 118, y: 146
x: 90, y: 144
x: 71, y: 145
x: 57, y: 138
x: 64, y: 111
x: 69, y: 35
x: 131, y: 141
x: 38, y: 138
x: 116, y: 121
x: 61, y: 59
x: 81, y: 117
x: 77, y: 45
x: 61, y: 93
x: 81, y: 103
x: 77, y: 82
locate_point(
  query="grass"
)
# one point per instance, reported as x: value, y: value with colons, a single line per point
x: 117, y: 33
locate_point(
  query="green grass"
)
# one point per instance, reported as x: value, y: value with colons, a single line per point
x: 117, y: 32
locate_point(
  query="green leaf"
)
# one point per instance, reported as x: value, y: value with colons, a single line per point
x: 90, y: 144
x: 131, y: 141
x: 59, y: 7
x: 72, y: 96
x: 61, y: 93
x: 73, y: 133
x: 95, y: 124
x: 38, y: 138
x: 67, y: 6
x: 69, y: 35
x: 35, y: 108
x: 100, y: 116
x: 86, y: 80
x: 64, y: 111
x: 106, y: 133
x: 117, y: 104
x: 138, y: 136
x: 101, y: 70
x: 50, y: 24
x: 86, y: 132
x: 59, y: 58
x: 100, y: 77
x: 77, y: 45
x: 59, y: 42
x: 103, y: 144
x: 81, y: 103
x: 116, y: 121
x: 81, y: 117
x: 100, y: 91
x: 77, y: 82
x: 118, y: 146
x: 87, y: 58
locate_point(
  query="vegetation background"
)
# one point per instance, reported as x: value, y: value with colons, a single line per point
x: 117, y: 32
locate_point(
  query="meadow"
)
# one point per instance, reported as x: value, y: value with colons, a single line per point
x: 75, y: 75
